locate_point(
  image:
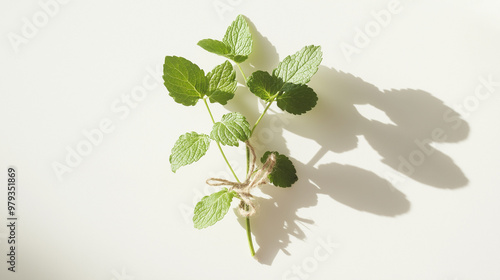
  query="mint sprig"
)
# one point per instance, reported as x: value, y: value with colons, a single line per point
x: 236, y: 44
x: 286, y: 85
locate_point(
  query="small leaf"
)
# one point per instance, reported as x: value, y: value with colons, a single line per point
x: 222, y: 83
x: 236, y: 44
x: 299, y: 67
x: 184, y: 80
x: 230, y: 129
x: 263, y: 85
x: 297, y: 99
x: 284, y: 173
x: 212, y: 208
x: 189, y: 148
x: 215, y: 46
x: 237, y: 58
x: 221, y: 97
x: 239, y: 39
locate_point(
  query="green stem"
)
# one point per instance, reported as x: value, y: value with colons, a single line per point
x: 227, y: 162
x: 249, y: 235
x: 248, y: 230
x: 243, y: 74
x: 263, y: 113
x: 218, y: 144
x: 247, y: 219
x: 208, y: 108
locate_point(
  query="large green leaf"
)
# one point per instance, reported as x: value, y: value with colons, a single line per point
x: 184, y: 80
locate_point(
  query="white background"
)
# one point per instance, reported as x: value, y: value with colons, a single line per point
x: 118, y: 212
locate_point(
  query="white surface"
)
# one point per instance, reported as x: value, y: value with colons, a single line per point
x: 122, y: 214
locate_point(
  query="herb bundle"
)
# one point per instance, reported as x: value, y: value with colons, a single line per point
x: 286, y: 86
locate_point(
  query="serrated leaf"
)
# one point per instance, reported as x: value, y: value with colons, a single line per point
x: 222, y: 83
x: 189, y: 148
x: 284, y: 173
x: 184, y: 80
x: 299, y: 67
x: 222, y: 77
x: 212, y: 208
x: 239, y: 39
x: 230, y: 129
x: 215, y: 46
x: 236, y: 44
x: 263, y: 85
x: 297, y: 99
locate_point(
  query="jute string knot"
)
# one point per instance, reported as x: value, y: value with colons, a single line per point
x: 254, y: 178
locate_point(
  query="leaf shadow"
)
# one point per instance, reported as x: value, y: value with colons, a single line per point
x: 418, y: 120
x: 406, y: 146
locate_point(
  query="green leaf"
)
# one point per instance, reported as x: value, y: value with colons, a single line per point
x: 236, y: 44
x: 239, y: 39
x: 184, y: 80
x: 220, y: 97
x: 190, y: 147
x: 222, y: 83
x: 284, y: 173
x: 299, y: 67
x: 263, y: 85
x: 237, y: 58
x: 230, y: 129
x: 215, y: 46
x: 297, y: 99
x: 212, y: 208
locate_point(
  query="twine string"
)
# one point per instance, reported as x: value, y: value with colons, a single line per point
x: 247, y: 206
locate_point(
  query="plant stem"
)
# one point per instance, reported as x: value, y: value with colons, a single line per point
x: 263, y: 113
x: 218, y: 145
x: 208, y: 108
x: 249, y: 235
x: 247, y: 219
x: 228, y: 164
x: 248, y: 230
x: 243, y: 74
